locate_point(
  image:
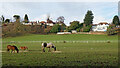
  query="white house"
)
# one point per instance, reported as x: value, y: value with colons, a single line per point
x: 50, y: 24
x: 100, y: 27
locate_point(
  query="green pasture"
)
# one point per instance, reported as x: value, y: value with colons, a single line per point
x: 71, y: 53
x: 71, y: 37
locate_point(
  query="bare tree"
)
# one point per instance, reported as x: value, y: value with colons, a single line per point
x: 60, y: 19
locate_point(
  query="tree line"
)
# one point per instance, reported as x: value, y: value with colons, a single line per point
x: 16, y: 28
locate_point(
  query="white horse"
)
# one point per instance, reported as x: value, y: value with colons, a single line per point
x: 48, y: 45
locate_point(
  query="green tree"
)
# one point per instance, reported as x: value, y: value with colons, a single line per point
x: 116, y: 20
x: 87, y: 28
x: 74, y: 25
x: 55, y: 28
x: 88, y: 18
x: 26, y: 20
x: 60, y: 21
x: 17, y: 18
x: 7, y: 20
x: 62, y: 27
x: 80, y: 27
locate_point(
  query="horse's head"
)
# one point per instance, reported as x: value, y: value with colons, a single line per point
x: 17, y: 51
x: 8, y: 47
x: 16, y: 48
x: 44, y: 44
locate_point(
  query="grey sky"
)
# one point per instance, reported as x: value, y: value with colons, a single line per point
x: 103, y: 11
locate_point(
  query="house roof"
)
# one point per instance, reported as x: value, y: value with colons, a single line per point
x: 94, y: 24
x: 42, y: 22
x: 103, y: 23
x: 49, y: 21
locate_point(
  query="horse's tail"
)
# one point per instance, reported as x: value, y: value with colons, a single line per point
x: 16, y: 49
x: 54, y: 47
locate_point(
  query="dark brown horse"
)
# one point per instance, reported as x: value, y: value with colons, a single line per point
x: 13, y: 48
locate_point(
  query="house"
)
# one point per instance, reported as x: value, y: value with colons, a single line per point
x: 102, y: 26
x: 30, y: 23
x: 33, y: 22
x: 41, y: 23
x: 50, y: 22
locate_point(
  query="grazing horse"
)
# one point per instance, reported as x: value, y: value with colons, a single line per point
x: 13, y: 48
x: 23, y: 48
x: 48, y: 45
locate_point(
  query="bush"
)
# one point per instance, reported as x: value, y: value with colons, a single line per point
x: 87, y: 28
x: 12, y: 30
x: 68, y: 30
x: 112, y: 30
x: 18, y: 29
x: 74, y: 25
x: 55, y: 28
x: 78, y: 29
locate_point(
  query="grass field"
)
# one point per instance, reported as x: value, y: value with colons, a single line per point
x: 73, y: 53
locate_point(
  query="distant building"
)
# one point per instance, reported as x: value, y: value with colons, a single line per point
x: 64, y: 33
x: 50, y: 22
x: 30, y: 23
x: 27, y: 23
x: 74, y: 31
x: 41, y: 23
x: 102, y: 26
x: 33, y: 22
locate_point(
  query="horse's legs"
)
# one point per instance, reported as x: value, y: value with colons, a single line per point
x: 14, y: 51
x: 11, y: 51
x: 49, y: 50
x: 26, y: 48
x: 43, y: 49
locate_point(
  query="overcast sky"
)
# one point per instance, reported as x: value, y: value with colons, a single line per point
x: 103, y: 11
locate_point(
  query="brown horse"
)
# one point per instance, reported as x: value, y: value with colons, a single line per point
x: 13, y: 48
x: 23, y: 48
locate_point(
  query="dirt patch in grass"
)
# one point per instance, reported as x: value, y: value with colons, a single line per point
x: 13, y: 52
x: 56, y: 51
x: 2, y: 51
